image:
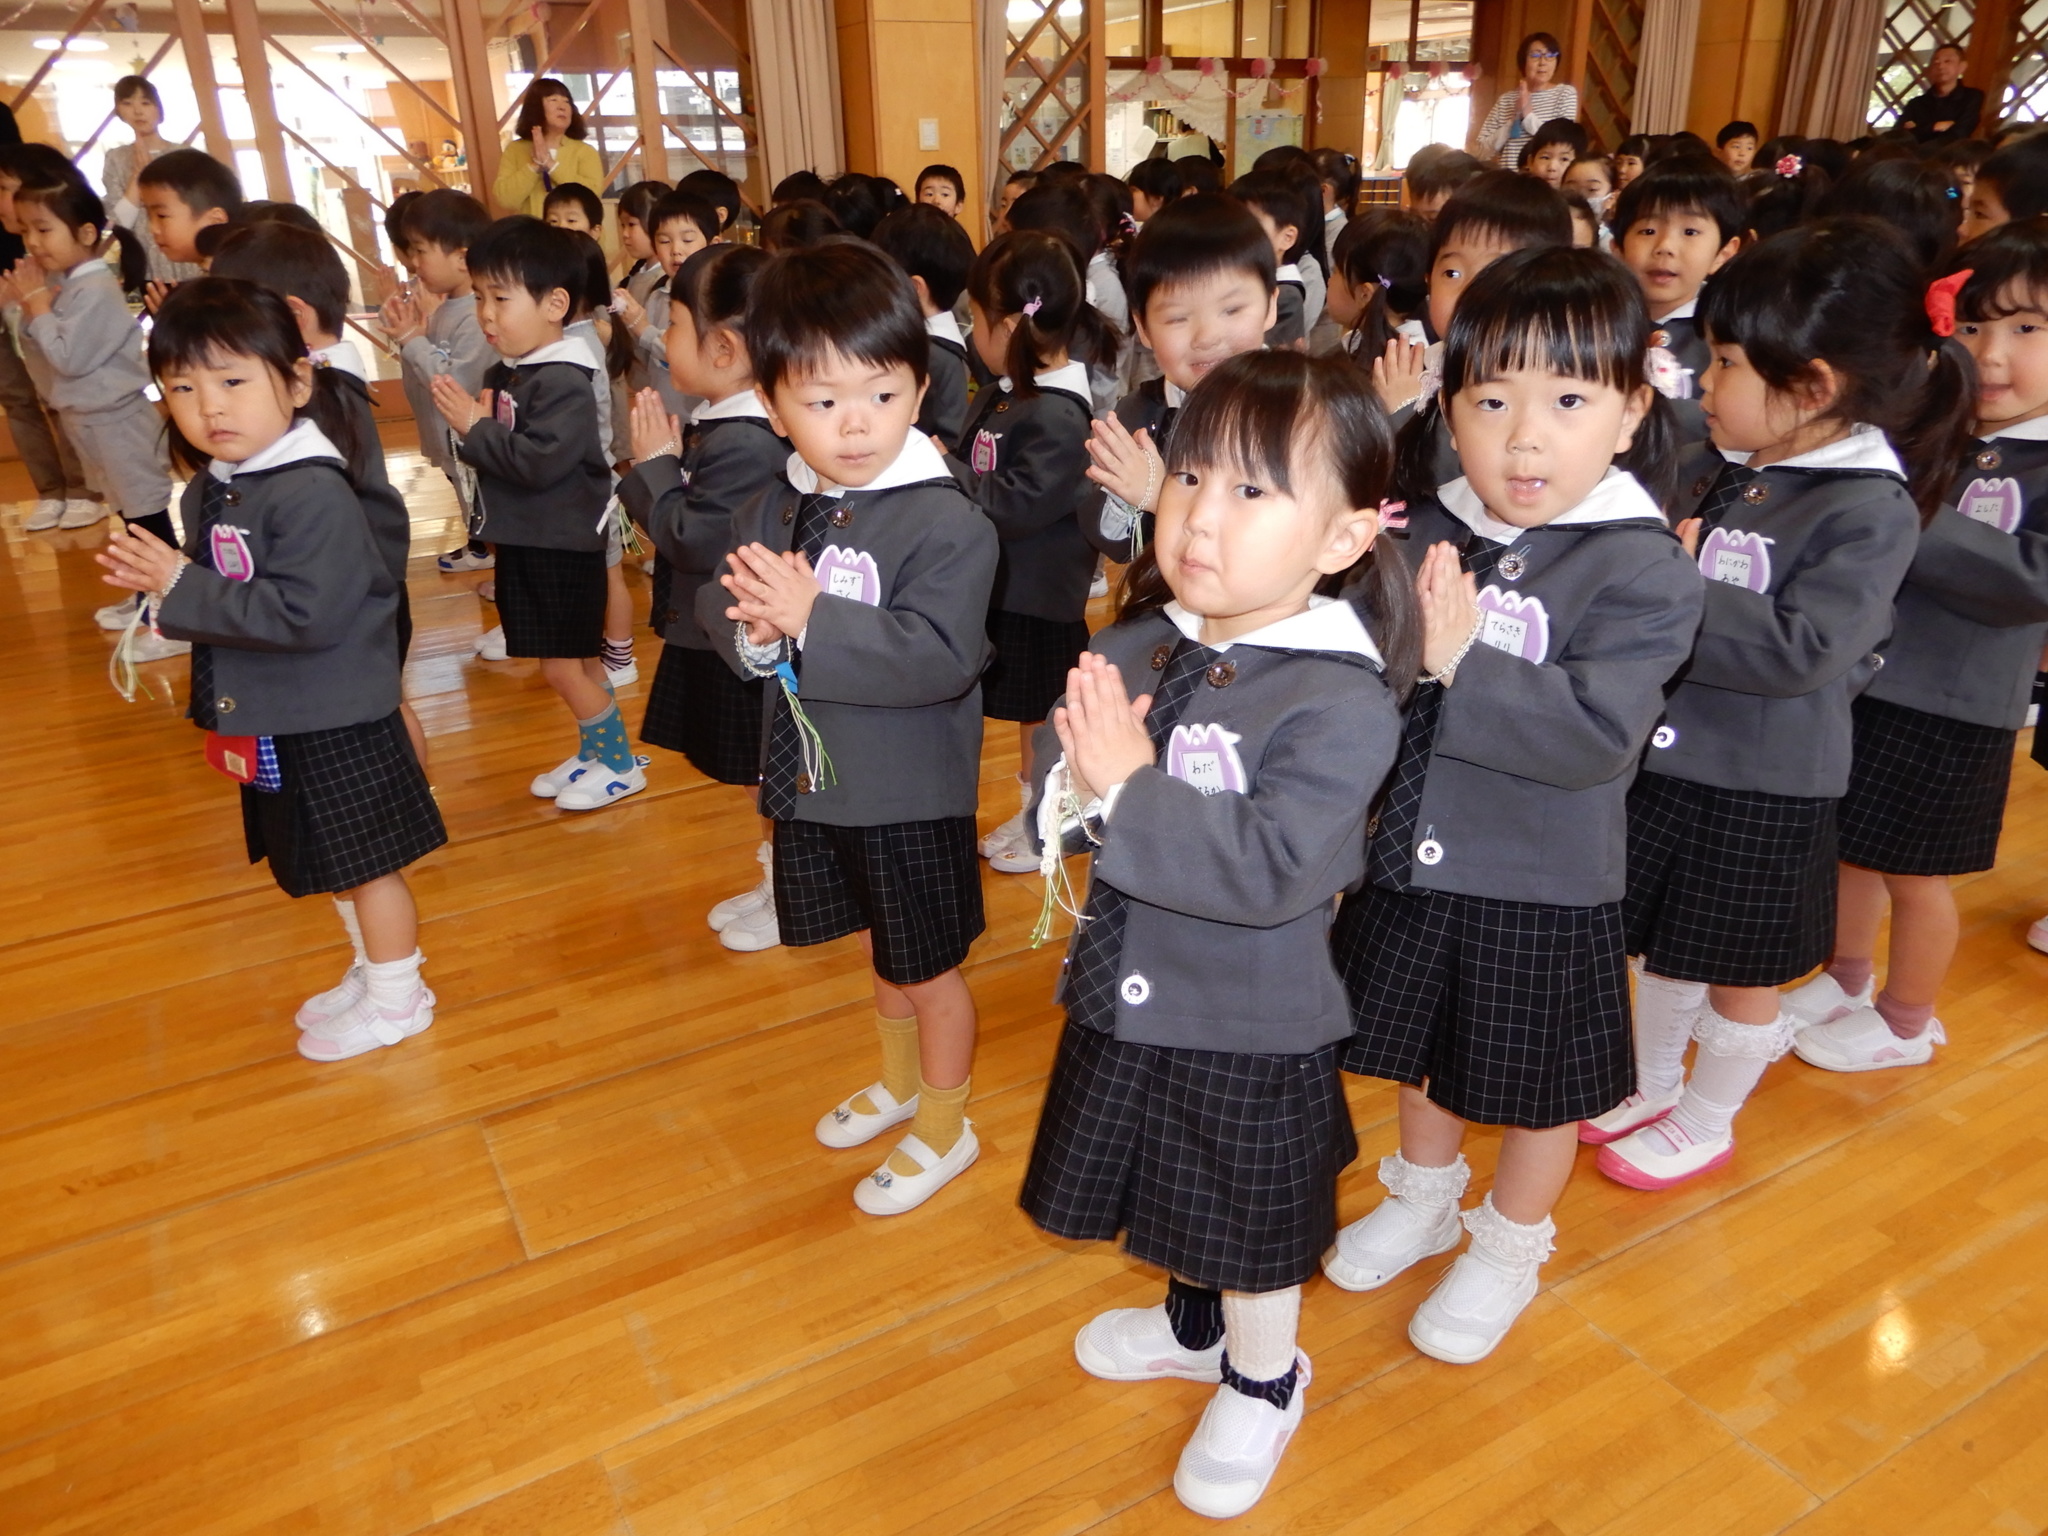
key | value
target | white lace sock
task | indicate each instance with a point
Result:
(394, 984)
(1259, 1330)
(1665, 1011)
(1731, 1063)
(347, 913)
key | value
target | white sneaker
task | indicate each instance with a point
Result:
(621, 677)
(763, 894)
(751, 932)
(1661, 1155)
(490, 645)
(1137, 1344)
(335, 1001)
(1235, 1450)
(1099, 587)
(1418, 1220)
(1863, 1042)
(82, 514)
(2037, 936)
(150, 646)
(546, 786)
(363, 1029)
(845, 1126)
(646, 567)
(1002, 836)
(602, 786)
(888, 1193)
(1472, 1308)
(459, 560)
(116, 616)
(1627, 1117)
(46, 514)
(1822, 1000)
(1016, 857)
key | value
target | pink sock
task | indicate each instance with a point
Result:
(1852, 976)
(1906, 1020)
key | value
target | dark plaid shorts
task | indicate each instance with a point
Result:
(914, 886)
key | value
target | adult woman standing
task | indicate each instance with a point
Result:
(138, 105)
(1534, 101)
(547, 150)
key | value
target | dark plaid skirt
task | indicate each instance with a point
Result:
(551, 601)
(1512, 1012)
(1733, 887)
(914, 886)
(1033, 657)
(354, 807)
(697, 706)
(1217, 1167)
(1926, 795)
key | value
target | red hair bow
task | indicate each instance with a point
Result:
(1941, 301)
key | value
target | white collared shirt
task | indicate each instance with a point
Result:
(918, 460)
(946, 327)
(1327, 624)
(344, 356)
(1618, 496)
(302, 440)
(744, 402)
(1071, 377)
(1864, 447)
(2033, 431)
(568, 350)
(1684, 311)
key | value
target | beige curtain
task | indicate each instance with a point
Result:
(1664, 79)
(992, 47)
(1830, 63)
(795, 53)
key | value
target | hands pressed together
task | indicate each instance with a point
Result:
(772, 593)
(137, 559)
(455, 405)
(1126, 464)
(1102, 728)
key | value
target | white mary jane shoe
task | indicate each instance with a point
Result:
(1230, 1459)
(888, 1193)
(844, 1126)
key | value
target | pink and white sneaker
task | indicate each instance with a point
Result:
(1822, 1001)
(335, 1001)
(364, 1028)
(1627, 1117)
(1661, 1155)
(1863, 1042)
(1137, 1344)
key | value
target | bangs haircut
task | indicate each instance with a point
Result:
(203, 322)
(1516, 210)
(843, 297)
(2018, 173)
(394, 219)
(532, 114)
(798, 186)
(637, 201)
(1201, 235)
(1690, 185)
(200, 181)
(720, 191)
(451, 220)
(1158, 178)
(532, 255)
(946, 173)
(1441, 174)
(2008, 269)
(928, 244)
(716, 285)
(681, 204)
(1279, 197)
(573, 194)
(291, 261)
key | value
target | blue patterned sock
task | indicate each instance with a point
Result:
(603, 737)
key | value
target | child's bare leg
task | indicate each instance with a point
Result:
(388, 918)
(1534, 1168)
(1925, 929)
(570, 677)
(414, 732)
(618, 606)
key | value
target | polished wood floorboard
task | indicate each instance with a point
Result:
(571, 1263)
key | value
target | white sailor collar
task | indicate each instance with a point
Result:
(1866, 447)
(918, 461)
(1071, 377)
(569, 349)
(744, 402)
(302, 441)
(946, 326)
(2034, 430)
(1685, 311)
(1289, 272)
(1618, 497)
(1327, 624)
(343, 356)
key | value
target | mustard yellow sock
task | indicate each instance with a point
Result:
(940, 1119)
(899, 1062)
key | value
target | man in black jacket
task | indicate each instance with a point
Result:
(1947, 109)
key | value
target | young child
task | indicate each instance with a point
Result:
(75, 323)
(1592, 177)
(944, 188)
(1431, 178)
(1824, 360)
(1154, 183)
(1195, 1107)
(722, 193)
(929, 244)
(1379, 281)
(1026, 450)
(685, 487)
(2011, 184)
(1675, 227)
(1276, 204)
(1735, 146)
(542, 477)
(63, 499)
(140, 107)
(1484, 954)
(293, 617)
(182, 193)
(862, 586)
(1631, 158)
(1934, 732)
(636, 240)
(574, 206)
(1552, 149)
(681, 224)
(591, 327)
(1202, 284)
(1585, 222)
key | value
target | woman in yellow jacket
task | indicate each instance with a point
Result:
(547, 149)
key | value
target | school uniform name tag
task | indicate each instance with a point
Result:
(982, 458)
(505, 409)
(1738, 557)
(1206, 757)
(1997, 502)
(1515, 622)
(231, 557)
(850, 573)
(1669, 377)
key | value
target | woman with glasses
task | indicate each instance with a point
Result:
(1535, 100)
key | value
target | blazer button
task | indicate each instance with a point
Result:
(1701, 486)
(231, 497)
(1663, 736)
(803, 783)
(789, 514)
(1429, 851)
(1988, 459)
(1223, 674)
(224, 706)
(1755, 492)
(840, 517)
(668, 617)
(1135, 990)
(1160, 656)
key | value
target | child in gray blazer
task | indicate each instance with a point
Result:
(1808, 514)
(858, 587)
(1195, 1107)
(292, 616)
(1933, 735)
(1484, 953)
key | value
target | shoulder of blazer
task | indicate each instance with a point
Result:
(358, 389)
(1085, 407)
(947, 344)
(713, 428)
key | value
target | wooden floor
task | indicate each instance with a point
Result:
(572, 1264)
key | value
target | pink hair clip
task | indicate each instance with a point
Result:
(1032, 306)
(1790, 165)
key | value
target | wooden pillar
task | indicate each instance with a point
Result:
(646, 94)
(191, 24)
(255, 62)
(470, 62)
(907, 100)
(1988, 65)
(1098, 85)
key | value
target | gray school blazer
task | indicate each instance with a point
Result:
(1801, 573)
(1230, 889)
(892, 663)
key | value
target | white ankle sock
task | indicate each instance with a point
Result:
(347, 912)
(1259, 1331)
(1730, 1064)
(1665, 1011)
(394, 984)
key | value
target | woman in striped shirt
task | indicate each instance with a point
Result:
(1534, 101)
